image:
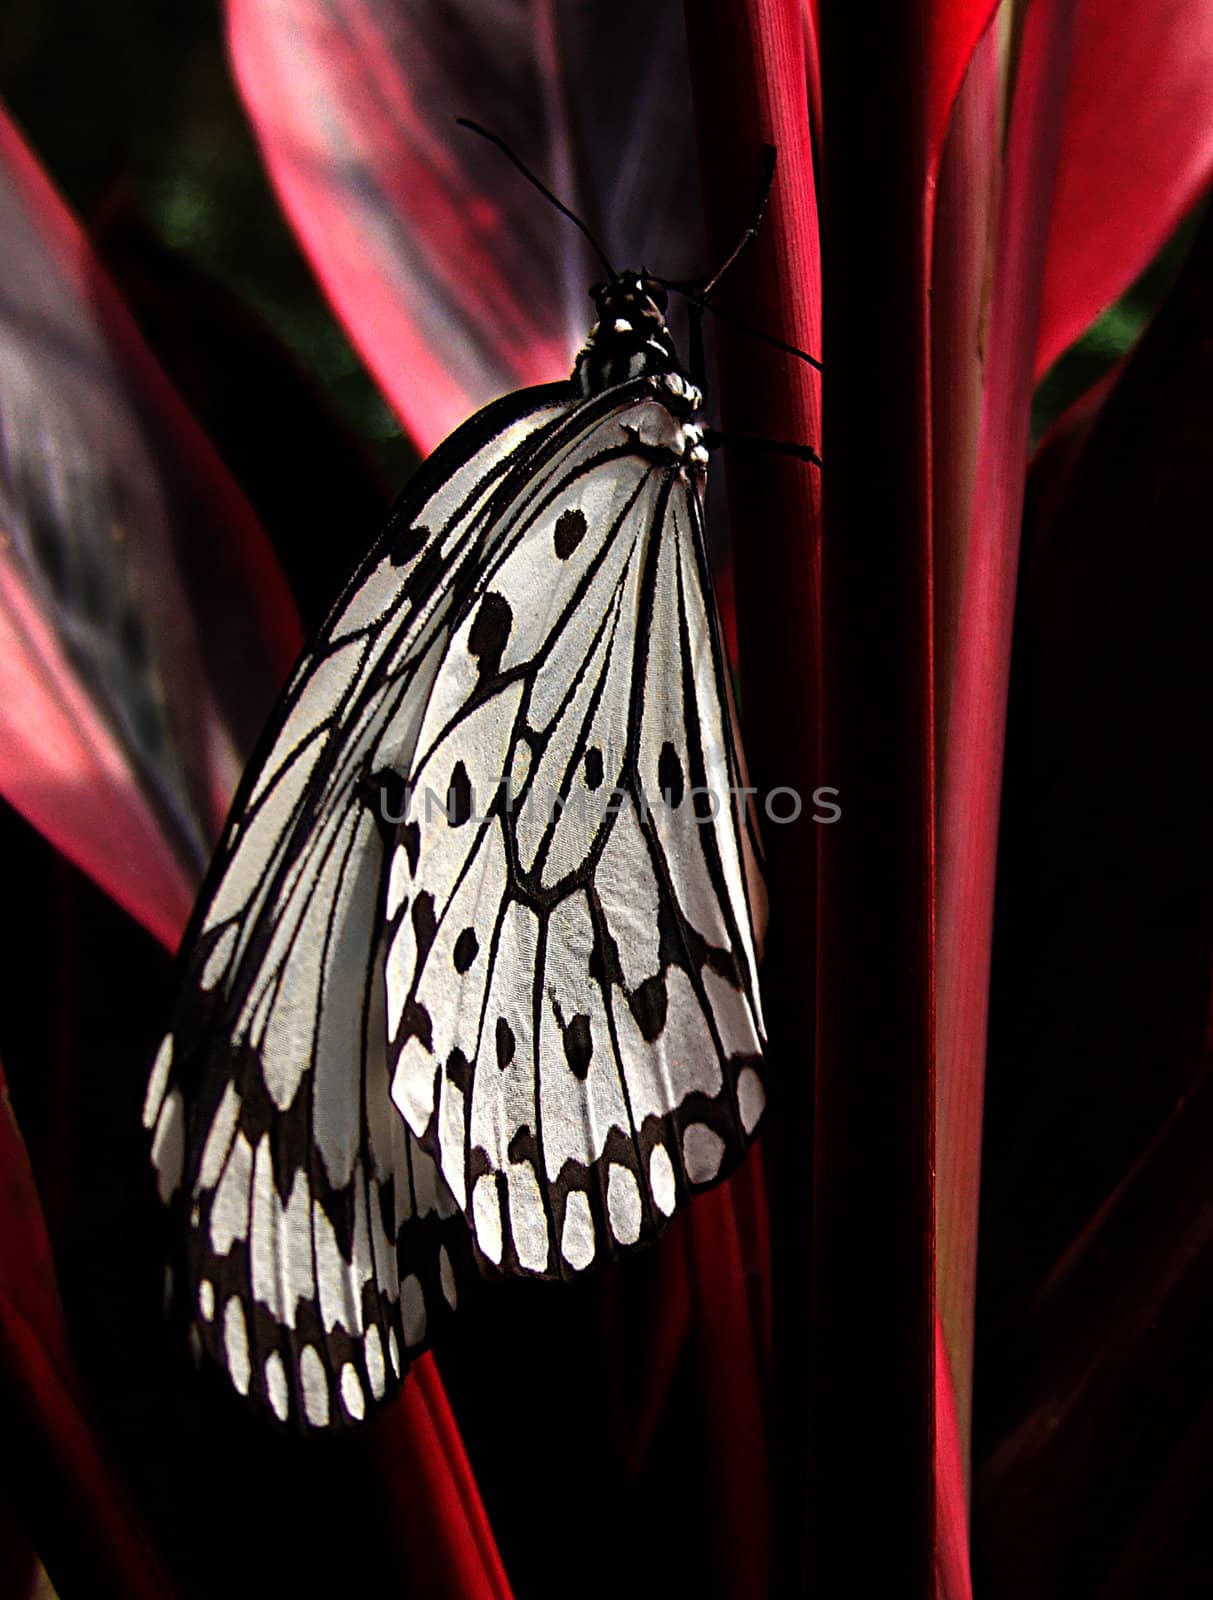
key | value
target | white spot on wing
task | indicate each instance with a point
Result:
(398, 881)
(393, 1350)
(218, 1140)
(206, 1300)
(340, 1297)
(486, 1217)
(661, 1180)
(528, 1221)
(229, 1214)
(373, 1350)
(281, 1243)
(235, 1344)
(577, 1235)
(519, 768)
(450, 1137)
(412, 1309)
(216, 962)
(315, 1387)
(735, 1022)
(352, 1397)
(446, 1276)
(158, 1081)
(168, 1145)
(276, 1386)
(751, 1098)
(702, 1152)
(623, 1204)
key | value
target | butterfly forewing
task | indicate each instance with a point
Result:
(572, 993)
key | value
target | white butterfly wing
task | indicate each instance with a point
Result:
(319, 1236)
(571, 965)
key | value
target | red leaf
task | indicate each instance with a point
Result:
(1093, 1474)
(978, 568)
(1136, 156)
(750, 81)
(131, 678)
(951, 29)
(455, 278)
(91, 1537)
(445, 1534)
(952, 1577)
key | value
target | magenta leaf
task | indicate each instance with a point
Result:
(69, 1497)
(1136, 156)
(977, 563)
(751, 77)
(143, 627)
(1093, 1445)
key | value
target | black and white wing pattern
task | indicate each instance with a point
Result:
(319, 1243)
(574, 903)
(474, 971)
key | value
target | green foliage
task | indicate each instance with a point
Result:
(1113, 335)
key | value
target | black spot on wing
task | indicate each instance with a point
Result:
(459, 1071)
(425, 925)
(570, 531)
(593, 767)
(605, 966)
(405, 543)
(522, 1145)
(722, 962)
(415, 1023)
(489, 633)
(410, 841)
(425, 576)
(579, 1045)
(467, 946)
(649, 1004)
(505, 1043)
(669, 775)
(383, 793)
(459, 796)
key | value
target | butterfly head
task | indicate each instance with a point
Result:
(630, 338)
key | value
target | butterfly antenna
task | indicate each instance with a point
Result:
(748, 327)
(765, 179)
(493, 138)
(698, 292)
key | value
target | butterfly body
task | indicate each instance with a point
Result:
(474, 972)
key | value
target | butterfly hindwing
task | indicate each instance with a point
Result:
(320, 1243)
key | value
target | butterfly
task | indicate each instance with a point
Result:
(472, 981)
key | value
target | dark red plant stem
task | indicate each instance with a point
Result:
(872, 1435)
(749, 80)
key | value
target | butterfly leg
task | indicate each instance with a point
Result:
(714, 437)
